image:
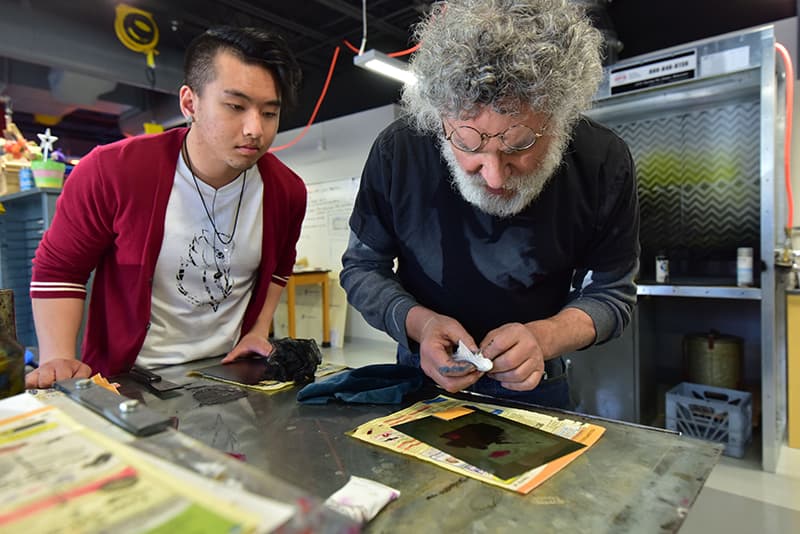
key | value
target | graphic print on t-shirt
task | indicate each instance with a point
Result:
(201, 288)
(209, 261)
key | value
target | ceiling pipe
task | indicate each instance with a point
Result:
(165, 111)
(78, 89)
(355, 13)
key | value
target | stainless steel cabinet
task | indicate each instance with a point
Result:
(705, 127)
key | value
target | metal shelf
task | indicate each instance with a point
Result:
(29, 193)
(697, 291)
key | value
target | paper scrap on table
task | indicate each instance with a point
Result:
(361, 498)
(453, 413)
(103, 382)
(463, 354)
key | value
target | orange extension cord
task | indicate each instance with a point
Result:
(324, 92)
(316, 108)
(405, 52)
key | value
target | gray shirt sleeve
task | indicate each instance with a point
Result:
(607, 297)
(373, 289)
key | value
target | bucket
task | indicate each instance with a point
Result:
(714, 359)
(48, 173)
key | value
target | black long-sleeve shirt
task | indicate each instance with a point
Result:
(576, 245)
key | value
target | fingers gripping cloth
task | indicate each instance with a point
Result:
(463, 354)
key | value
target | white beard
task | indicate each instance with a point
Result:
(525, 188)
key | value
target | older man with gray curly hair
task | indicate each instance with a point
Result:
(513, 218)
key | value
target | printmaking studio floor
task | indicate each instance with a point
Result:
(738, 497)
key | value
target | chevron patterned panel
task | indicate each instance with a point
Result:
(698, 175)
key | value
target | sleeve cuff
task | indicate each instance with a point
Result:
(57, 290)
(280, 280)
(606, 323)
(395, 319)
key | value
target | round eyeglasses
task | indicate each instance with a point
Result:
(515, 138)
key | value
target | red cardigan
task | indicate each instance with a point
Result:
(110, 218)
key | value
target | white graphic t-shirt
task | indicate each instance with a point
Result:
(204, 275)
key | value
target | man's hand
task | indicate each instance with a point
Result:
(250, 344)
(54, 370)
(438, 336)
(517, 356)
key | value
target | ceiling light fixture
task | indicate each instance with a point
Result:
(383, 64)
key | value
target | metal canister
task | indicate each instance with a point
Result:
(714, 359)
(12, 354)
(12, 367)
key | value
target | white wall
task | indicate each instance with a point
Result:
(334, 150)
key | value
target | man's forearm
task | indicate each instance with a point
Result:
(57, 323)
(569, 330)
(374, 290)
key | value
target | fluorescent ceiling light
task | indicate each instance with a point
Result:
(383, 64)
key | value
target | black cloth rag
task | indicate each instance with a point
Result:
(292, 360)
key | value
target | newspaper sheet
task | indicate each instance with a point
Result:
(58, 476)
(381, 432)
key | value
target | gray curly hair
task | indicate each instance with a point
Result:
(506, 55)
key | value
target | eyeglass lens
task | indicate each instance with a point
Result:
(516, 137)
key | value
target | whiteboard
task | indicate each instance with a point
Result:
(323, 240)
(326, 229)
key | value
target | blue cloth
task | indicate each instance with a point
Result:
(371, 384)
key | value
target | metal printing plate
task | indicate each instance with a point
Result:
(129, 414)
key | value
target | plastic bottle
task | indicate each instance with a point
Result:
(744, 266)
(26, 179)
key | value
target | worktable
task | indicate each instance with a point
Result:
(635, 479)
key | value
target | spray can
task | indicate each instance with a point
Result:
(662, 268)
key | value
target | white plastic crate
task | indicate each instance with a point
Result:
(711, 413)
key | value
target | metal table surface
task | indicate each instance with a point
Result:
(635, 479)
